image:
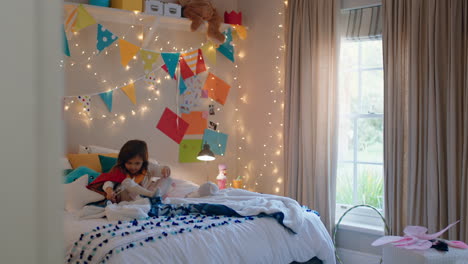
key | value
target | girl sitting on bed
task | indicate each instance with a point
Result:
(129, 178)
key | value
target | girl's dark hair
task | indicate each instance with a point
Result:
(131, 149)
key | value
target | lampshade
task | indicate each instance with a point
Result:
(206, 154)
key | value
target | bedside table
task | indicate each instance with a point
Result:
(394, 255)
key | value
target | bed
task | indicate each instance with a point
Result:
(297, 237)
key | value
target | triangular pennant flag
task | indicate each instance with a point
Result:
(185, 70)
(241, 31)
(164, 67)
(226, 48)
(127, 51)
(191, 59)
(171, 60)
(182, 86)
(150, 78)
(107, 99)
(209, 51)
(149, 58)
(104, 38)
(71, 20)
(66, 49)
(129, 90)
(200, 63)
(217, 89)
(83, 19)
(85, 100)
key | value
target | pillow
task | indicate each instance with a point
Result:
(98, 149)
(88, 160)
(181, 188)
(107, 163)
(82, 149)
(65, 172)
(81, 171)
(65, 163)
(77, 195)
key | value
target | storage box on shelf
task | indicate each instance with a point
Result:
(154, 7)
(172, 10)
(130, 5)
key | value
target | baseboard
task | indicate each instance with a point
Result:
(356, 257)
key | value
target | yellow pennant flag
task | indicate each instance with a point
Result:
(241, 31)
(127, 51)
(83, 19)
(129, 90)
(209, 51)
(149, 58)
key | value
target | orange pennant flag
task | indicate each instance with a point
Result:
(129, 90)
(127, 51)
(218, 90)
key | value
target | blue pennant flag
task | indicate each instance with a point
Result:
(104, 38)
(182, 86)
(107, 99)
(226, 48)
(66, 49)
(171, 60)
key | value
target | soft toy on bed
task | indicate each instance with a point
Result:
(202, 10)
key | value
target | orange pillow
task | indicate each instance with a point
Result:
(88, 160)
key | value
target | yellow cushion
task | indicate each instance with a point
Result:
(88, 160)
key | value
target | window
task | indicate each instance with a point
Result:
(360, 147)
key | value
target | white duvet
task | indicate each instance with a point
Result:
(261, 240)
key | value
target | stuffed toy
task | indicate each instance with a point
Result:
(202, 10)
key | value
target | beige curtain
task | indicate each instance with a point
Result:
(310, 105)
(426, 114)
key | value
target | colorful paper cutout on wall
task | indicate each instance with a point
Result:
(192, 94)
(107, 99)
(191, 59)
(104, 38)
(129, 90)
(217, 89)
(241, 31)
(164, 67)
(172, 125)
(85, 100)
(148, 58)
(197, 123)
(209, 51)
(182, 86)
(185, 70)
(189, 149)
(66, 49)
(171, 60)
(200, 63)
(127, 51)
(150, 78)
(216, 140)
(83, 19)
(70, 21)
(227, 49)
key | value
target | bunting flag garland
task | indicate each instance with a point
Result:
(104, 38)
(182, 86)
(200, 63)
(83, 19)
(127, 51)
(191, 59)
(150, 78)
(226, 48)
(107, 99)
(66, 49)
(85, 100)
(164, 67)
(218, 90)
(241, 31)
(185, 71)
(171, 60)
(209, 51)
(129, 90)
(71, 20)
(149, 58)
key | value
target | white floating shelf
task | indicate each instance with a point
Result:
(114, 15)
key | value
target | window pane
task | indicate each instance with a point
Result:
(370, 140)
(346, 140)
(349, 55)
(371, 54)
(344, 183)
(370, 185)
(349, 92)
(372, 91)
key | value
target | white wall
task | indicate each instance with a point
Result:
(31, 132)
(142, 125)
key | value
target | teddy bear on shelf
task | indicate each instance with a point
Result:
(202, 10)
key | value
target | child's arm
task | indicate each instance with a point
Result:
(159, 171)
(133, 187)
(108, 187)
